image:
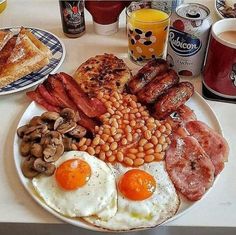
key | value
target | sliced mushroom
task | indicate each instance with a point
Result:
(53, 152)
(44, 167)
(25, 148)
(50, 116)
(51, 135)
(36, 150)
(58, 122)
(21, 130)
(66, 127)
(37, 120)
(67, 142)
(28, 169)
(42, 128)
(78, 132)
(68, 114)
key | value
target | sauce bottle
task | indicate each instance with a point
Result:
(3, 4)
(72, 17)
(105, 15)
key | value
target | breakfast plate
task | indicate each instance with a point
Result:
(220, 6)
(57, 48)
(197, 103)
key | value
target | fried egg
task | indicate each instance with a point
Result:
(82, 185)
(146, 197)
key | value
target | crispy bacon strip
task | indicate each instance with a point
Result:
(91, 107)
(56, 88)
(35, 95)
(47, 96)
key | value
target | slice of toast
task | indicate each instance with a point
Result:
(28, 55)
(7, 50)
(42, 47)
(5, 36)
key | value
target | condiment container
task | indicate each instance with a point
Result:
(72, 17)
(105, 15)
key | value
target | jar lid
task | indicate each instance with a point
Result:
(106, 29)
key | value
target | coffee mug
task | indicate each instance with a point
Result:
(219, 74)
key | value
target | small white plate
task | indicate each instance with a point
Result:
(58, 55)
(220, 5)
(197, 103)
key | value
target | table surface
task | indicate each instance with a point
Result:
(16, 205)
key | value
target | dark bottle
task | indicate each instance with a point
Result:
(72, 17)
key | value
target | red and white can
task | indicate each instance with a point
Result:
(188, 38)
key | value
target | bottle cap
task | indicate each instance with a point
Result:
(106, 29)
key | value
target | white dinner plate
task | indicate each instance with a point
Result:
(197, 103)
(58, 55)
(221, 4)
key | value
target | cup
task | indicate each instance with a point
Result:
(147, 29)
(219, 74)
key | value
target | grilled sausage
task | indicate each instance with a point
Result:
(158, 86)
(173, 99)
(152, 69)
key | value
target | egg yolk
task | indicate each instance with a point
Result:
(137, 185)
(72, 174)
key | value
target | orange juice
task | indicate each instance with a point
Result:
(147, 33)
(3, 4)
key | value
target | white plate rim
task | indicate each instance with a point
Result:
(42, 79)
(81, 223)
(217, 10)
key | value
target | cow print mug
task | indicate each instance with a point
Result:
(219, 75)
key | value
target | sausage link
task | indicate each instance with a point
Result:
(173, 99)
(158, 86)
(146, 74)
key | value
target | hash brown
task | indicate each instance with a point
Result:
(102, 72)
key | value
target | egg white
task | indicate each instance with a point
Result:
(97, 197)
(163, 204)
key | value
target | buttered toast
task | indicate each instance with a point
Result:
(5, 36)
(27, 55)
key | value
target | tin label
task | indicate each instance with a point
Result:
(184, 44)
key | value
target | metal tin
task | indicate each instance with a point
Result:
(72, 17)
(188, 38)
(168, 5)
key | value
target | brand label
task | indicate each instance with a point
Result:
(184, 44)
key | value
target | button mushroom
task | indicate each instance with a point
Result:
(53, 152)
(50, 116)
(28, 169)
(51, 137)
(21, 130)
(66, 127)
(68, 114)
(67, 142)
(58, 122)
(25, 148)
(36, 150)
(36, 120)
(78, 132)
(44, 167)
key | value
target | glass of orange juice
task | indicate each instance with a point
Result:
(147, 29)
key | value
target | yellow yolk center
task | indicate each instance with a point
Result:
(73, 174)
(137, 185)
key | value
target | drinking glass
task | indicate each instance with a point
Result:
(147, 29)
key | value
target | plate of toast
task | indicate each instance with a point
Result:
(27, 56)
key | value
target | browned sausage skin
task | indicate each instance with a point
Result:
(173, 99)
(152, 69)
(158, 86)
